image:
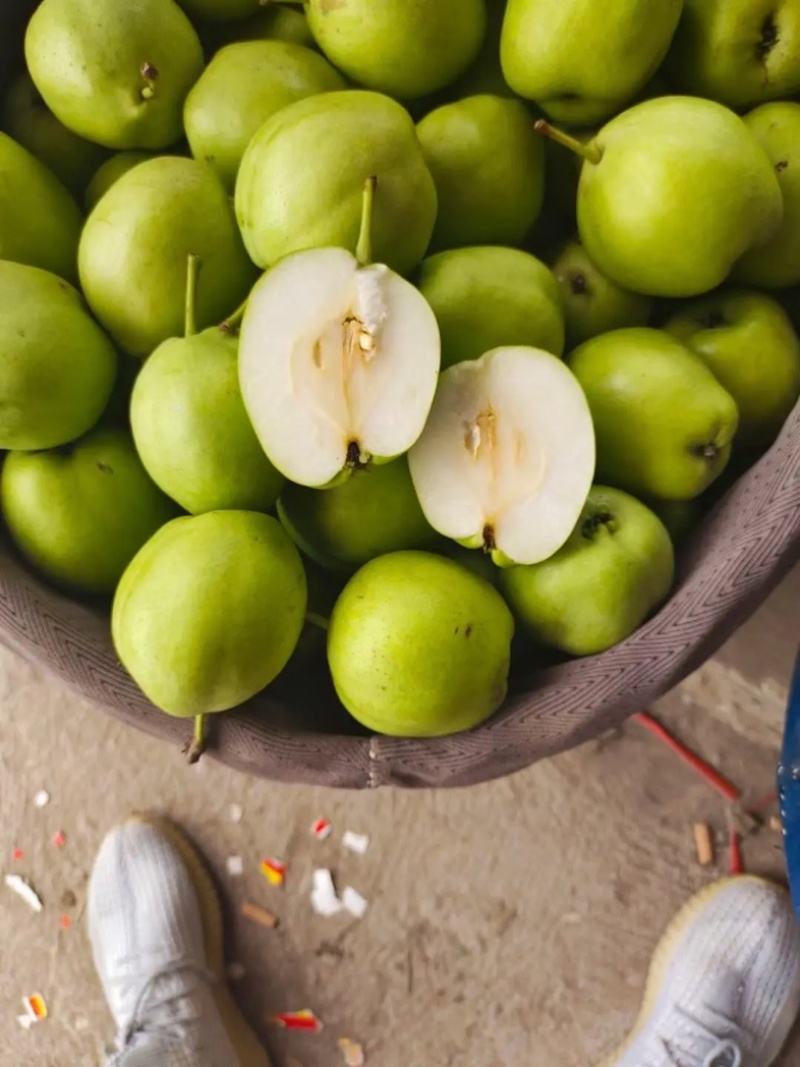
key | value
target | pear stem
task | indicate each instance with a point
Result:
(190, 313)
(233, 322)
(198, 744)
(590, 152)
(364, 246)
(317, 620)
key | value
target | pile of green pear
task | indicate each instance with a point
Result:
(465, 312)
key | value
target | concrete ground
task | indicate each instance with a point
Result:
(509, 925)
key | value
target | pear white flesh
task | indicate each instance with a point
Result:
(507, 457)
(338, 363)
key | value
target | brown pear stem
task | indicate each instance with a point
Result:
(198, 744)
(364, 246)
(190, 315)
(590, 152)
(234, 321)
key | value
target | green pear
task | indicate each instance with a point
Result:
(284, 205)
(663, 423)
(134, 247)
(776, 265)
(57, 367)
(488, 166)
(220, 10)
(580, 62)
(614, 571)
(39, 221)
(419, 646)
(190, 424)
(30, 122)
(748, 343)
(81, 512)
(485, 298)
(592, 303)
(406, 50)
(210, 610)
(275, 22)
(244, 85)
(116, 74)
(371, 513)
(110, 172)
(672, 193)
(740, 52)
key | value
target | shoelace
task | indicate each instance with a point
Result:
(726, 1052)
(139, 1025)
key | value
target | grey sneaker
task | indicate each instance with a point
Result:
(156, 931)
(724, 985)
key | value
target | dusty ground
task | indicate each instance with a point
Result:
(510, 925)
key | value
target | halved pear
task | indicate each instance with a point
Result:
(507, 456)
(338, 362)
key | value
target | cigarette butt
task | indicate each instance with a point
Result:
(704, 844)
(775, 823)
(260, 915)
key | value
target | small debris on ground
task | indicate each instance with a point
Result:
(35, 1011)
(353, 902)
(297, 1020)
(66, 922)
(42, 799)
(274, 871)
(352, 1052)
(235, 813)
(68, 899)
(704, 844)
(59, 839)
(260, 915)
(322, 829)
(17, 855)
(324, 898)
(23, 888)
(355, 842)
(81, 1024)
(235, 866)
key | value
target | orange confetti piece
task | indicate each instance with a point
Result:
(297, 1020)
(66, 922)
(59, 839)
(260, 915)
(17, 855)
(274, 871)
(35, 1006)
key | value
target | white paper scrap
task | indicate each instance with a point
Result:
(24, 890)
(235, 866)
(353, 902)
(355, 842)
(324, 898)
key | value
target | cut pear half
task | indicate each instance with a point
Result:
(338, 361)
(507, 457)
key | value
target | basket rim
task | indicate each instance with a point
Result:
(738, 555)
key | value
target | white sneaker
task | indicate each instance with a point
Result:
(156, 931)
(724, 985)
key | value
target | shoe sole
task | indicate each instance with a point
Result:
(248, 1048)
(665, 951)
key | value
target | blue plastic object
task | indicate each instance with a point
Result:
(789, 787)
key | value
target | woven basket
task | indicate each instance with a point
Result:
(297, 733)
